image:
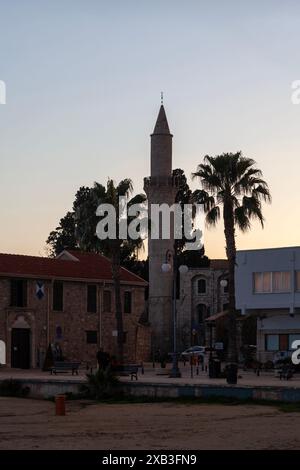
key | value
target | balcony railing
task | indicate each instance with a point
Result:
(161, 181)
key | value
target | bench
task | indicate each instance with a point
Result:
(129, 369)
(64, 367)
(286, 373)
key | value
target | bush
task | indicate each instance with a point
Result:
(13, 388)
(102, 384)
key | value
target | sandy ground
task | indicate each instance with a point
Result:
(31, 424)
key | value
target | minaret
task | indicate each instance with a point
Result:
(160, 189)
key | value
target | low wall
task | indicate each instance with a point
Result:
(285, 394)
(43, 388)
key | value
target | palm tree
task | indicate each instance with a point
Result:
(112, 248)
(231, 181)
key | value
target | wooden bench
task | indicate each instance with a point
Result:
(129, 369)
(65, 367)
(286, 373)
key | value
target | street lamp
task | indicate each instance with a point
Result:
(183, 269)
(223, 283)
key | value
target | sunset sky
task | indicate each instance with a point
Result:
(83, 85)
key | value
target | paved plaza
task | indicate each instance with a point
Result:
(161, 376)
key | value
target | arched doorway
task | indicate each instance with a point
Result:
(202, 312)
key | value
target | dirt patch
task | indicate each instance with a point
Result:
(31, 424)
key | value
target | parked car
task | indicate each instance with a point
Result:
(194, 351)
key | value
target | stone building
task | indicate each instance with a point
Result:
(160, 188)
(67, 301)
(201, 296)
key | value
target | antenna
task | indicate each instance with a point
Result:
(161, 97)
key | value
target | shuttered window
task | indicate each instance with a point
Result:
(58, 296)
(92, 298)
(18, 293)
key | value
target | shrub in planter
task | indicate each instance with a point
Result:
(102, 384)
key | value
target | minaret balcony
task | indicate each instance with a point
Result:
(161, 181)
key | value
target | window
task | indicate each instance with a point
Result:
(257, 282)
(280, 342)
(283, 342)
(124, 337)
(267, 282)
(18, 293)
(298, 280)
(202, 313)
(201, 286)
(58, 294)
(127, 302)
(91, 337)
(225, 307)
(293, 338)
(281, 281)
(272, 342)
(92, 299)
(107, 301)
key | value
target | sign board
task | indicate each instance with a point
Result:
(219, 346)
(40, 290)
(115, 332)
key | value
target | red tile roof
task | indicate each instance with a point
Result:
(90, 266)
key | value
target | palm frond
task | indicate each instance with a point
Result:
(125, 187)
(213, 216)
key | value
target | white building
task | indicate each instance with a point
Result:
(268, 286)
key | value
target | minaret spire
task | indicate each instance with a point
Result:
(161, 126)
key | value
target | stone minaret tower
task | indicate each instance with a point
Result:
(160, 188)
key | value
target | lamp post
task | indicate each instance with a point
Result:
(183, 269)
(211, 365)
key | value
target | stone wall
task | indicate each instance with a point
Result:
(73, 323)
(214, 300)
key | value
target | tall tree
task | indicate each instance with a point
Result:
(86, 222)
(232, 182)
(71, 232)
(63, 236)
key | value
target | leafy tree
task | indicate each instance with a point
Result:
(71, 232)
(63, 236)
(232, 182)
(86, 222)
(77, 230)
